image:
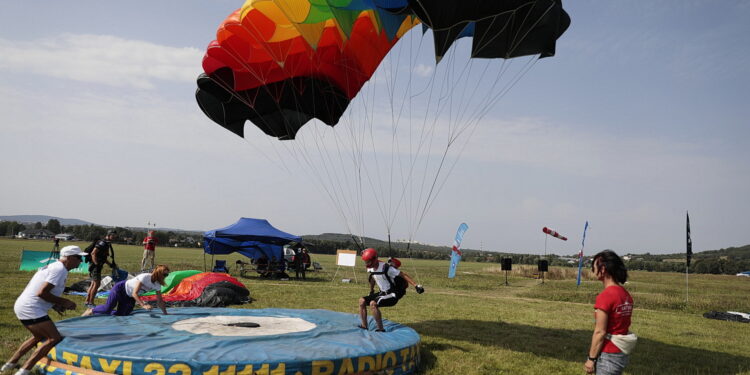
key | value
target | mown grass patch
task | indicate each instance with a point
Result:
(474, 324)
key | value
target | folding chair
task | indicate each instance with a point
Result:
(221, 266)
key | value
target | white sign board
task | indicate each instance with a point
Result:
(346, 258)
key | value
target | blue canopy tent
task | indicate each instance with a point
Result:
(252, 238)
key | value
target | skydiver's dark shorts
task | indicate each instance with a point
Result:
(95, 271)
(31, 322)
(383, 299)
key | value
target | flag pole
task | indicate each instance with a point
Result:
(688, 255)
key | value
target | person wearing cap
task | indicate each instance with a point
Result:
(99, 257)
(32, 306)
(149, 251)
(126, 294)
(386, 276)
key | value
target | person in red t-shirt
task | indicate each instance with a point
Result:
(149, 248)
(612, 311)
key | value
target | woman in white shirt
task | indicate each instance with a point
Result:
(42, 293)
(126, 294)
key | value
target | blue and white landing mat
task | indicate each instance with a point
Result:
(222, 341)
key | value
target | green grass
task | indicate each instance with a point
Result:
(475, 324)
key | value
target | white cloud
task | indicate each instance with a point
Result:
(102, 59)
(423, 70)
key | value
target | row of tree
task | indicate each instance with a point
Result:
(719, 263)
(91, 232)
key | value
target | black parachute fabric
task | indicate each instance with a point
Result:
(728, 316)
(279, 109)
(500, 29)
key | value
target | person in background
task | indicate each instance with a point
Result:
(126, 294)
(301, 262)
(42, 293)
(99, 257)
(56, 246)
(391, 288)
(611, 341)
(149, 251)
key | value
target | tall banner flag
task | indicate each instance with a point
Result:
(688, 255)
(456, 250)
(580, 253)
(689, 246)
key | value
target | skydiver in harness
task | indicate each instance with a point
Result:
(392, 284)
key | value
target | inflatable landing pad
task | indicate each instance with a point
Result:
(221, 341)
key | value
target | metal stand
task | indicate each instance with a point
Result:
(354, 272)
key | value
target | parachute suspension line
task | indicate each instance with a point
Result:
(419, 214)
(292, 151)
(475, 122)
(416, 152)
(234, 94)
(348, 205)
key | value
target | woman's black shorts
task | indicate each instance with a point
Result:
(31, 322)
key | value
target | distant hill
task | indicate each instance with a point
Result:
(32, 219)
(374, 242)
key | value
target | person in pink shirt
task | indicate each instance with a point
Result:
(611, 341)
(149, 250)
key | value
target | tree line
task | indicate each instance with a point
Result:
(709, 262)
(92, 232)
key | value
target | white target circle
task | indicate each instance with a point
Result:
(225, 325)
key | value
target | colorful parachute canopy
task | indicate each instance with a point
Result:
(280, 63)
(173, 279)
(206, 289)
(279, 68)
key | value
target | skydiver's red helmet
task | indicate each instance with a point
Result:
(369, 254)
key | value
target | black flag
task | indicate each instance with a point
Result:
(689, 242)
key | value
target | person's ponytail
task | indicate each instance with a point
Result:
(613, 265)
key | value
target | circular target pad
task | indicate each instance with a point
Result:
(221, 341)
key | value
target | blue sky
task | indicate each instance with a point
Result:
(641, 116)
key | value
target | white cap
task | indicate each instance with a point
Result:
(71, 250)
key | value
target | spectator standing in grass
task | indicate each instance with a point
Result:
(42, 293)
(99, 257)
(126, 294)
(56, 246)
(612, 341)
(149, 252)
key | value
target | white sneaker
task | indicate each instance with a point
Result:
(23, 371)
(8, 366)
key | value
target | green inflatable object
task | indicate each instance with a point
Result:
(174, 278)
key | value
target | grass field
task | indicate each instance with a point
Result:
(475, 324)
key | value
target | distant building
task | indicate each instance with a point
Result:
(37, 234)
(65, 236)
(569, 260)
